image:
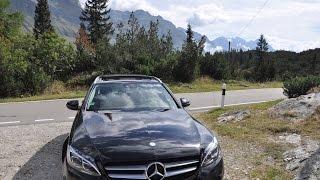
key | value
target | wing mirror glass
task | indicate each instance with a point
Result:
(185, 102)
(73, 105)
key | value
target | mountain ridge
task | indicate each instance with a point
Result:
(65, 17)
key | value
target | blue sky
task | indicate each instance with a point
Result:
(288, 24)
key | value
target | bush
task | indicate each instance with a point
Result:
(57, 87)
(82, 80)
(300, 86)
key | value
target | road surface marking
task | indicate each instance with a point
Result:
(43, 120)
(11, 122)
(211, 107)
(71, 117)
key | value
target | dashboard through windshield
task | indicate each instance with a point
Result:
(130, 96)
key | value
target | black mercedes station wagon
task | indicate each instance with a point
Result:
(132, 127)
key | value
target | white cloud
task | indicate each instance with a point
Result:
(290, 24)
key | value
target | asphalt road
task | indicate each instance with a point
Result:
(56, 111)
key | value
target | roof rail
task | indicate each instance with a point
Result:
(105, 78)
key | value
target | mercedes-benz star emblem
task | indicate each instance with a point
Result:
(152, 144)
(156, 171)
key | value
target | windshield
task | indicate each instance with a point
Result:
(130, 96)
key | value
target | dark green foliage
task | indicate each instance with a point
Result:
(29, 64)
(215, 66)
(42, 19)
(138, 50)
(300, 85)
(10, 23)
(55, 56)
(82, 80)
(188, 62)
(96, 15)
(264, 68)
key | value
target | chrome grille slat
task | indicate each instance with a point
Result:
(128, 176)
(126, 168)
(138, 171)
(182, 163)
(178, 172)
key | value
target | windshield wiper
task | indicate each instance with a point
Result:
(162, 109)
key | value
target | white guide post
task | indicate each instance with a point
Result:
(223, 98)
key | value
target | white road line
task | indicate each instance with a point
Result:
(71, 117)
(239, 104)
(11, 122)
(201, 108)
(43, 120)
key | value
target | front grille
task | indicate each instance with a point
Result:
(174, 169)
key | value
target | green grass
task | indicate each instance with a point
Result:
(200, 85)
(206, 84)
(257, 130)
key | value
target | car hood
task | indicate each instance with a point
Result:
(125, 137)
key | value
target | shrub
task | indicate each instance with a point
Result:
(57, 87)
(83, 80)
(300, 86)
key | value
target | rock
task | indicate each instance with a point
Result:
(311, 168)
(297, 109)
(294, 139)
(234, 116)
(304, 159)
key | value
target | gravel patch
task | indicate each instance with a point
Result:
(32, 151)
(238, 157)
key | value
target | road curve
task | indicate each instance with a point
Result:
(55, 110)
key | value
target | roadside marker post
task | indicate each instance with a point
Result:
(223, 98)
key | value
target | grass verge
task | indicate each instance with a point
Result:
(261, 131)
(200, 85)
(206, 84)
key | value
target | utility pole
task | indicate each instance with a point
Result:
(229, 46)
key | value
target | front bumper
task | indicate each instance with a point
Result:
(211, 172)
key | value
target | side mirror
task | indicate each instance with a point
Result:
(185, 102)
(73, 105)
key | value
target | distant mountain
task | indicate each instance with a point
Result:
(144, 19)
(237, 43)
(65, 18)
(64, 14)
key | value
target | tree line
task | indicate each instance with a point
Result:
(31, 62)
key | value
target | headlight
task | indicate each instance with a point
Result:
(82, 162)
(211, 153)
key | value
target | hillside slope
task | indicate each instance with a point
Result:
(65, 17)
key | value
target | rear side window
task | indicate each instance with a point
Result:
(130, 96)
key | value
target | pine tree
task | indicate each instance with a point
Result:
(262, 47)
(166, 44)
(264, 69)
(187, 66)
(42, 21)
(96, 15)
